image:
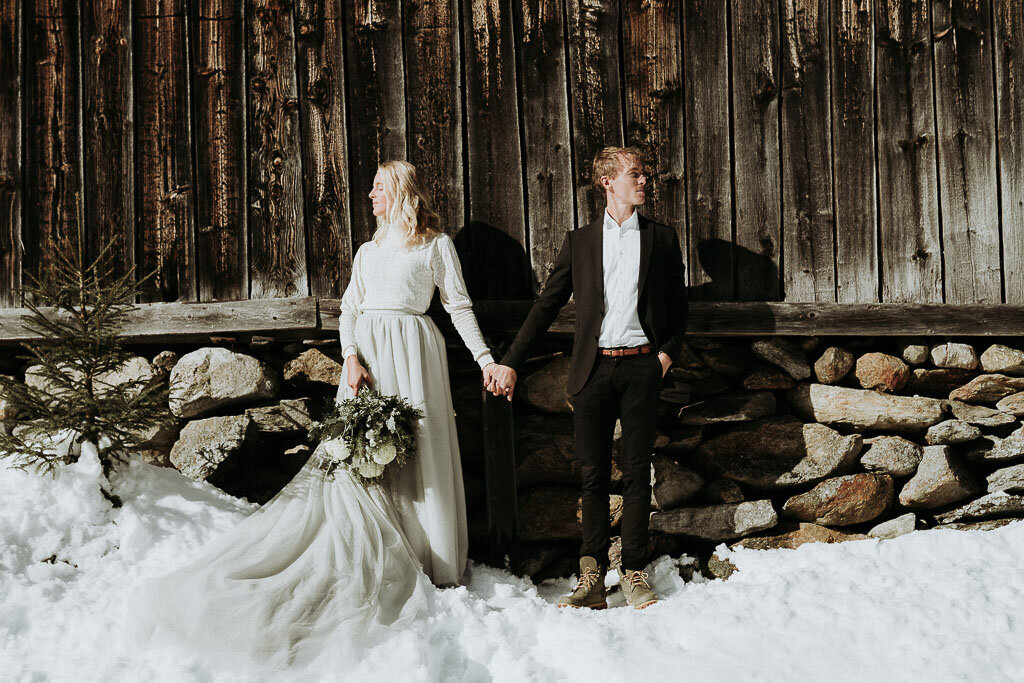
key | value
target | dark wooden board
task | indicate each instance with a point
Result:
(11, 119)
(655, 111)
(966, 125)
(853, 139)
(165, 212)
(376, 83)
(1009, 57)
(321, 66)
(277, 218)
(595, 89)
(907, 194)
(708, 150)
(219, 86)
(500, 479)
(755, 110)
(109, 128)
(434, 99)
(808, 224)
(53, 132)
(549, 174)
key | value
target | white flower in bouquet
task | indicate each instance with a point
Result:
(370, 469)
(337, 449)
(385, 453)
(371, 437)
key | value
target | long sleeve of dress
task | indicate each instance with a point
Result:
(351, 305)
(455, 298)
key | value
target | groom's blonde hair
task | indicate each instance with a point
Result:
(408, 204)
(609, 162)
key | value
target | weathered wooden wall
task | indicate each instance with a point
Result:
(849, 151)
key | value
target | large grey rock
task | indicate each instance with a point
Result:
(892, 455)
(982, 416)
(954, 355)
(1000, 504)
(892, 528)
(206, 447)
(213, 377)
(984, 525)
(683, 439)
(544, 388)
(292, 415)
(555, 514)
(987, 389)
(940, 480)
(951, 432)
(724, 491)
(1003, 359)
(860, 409)
(913, 353)
(1006, 479)
(768, 378)
(937, 382)
(784, 354)
(995, 450)
(805, 532)
(1012, 404)
(776, 453)
(673, 484)
(154, 443)
(881, 372)
(315, 367)
(843, 501)
(136, 369)
(717, 522)
(728, 409)
(164, 362)
(7, 411)
(834, 364)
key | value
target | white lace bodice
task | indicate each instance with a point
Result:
(392, 277)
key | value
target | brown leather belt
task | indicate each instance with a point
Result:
(627, 351)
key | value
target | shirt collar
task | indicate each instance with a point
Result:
(631, 223)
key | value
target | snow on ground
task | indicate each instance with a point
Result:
(930, 606)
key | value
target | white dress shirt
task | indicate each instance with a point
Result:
(621, 264)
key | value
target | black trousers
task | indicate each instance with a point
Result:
(624, 388)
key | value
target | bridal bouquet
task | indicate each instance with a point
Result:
(370, 435)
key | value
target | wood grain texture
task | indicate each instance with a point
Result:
(1009, 58)
(655, 111)
(755, 110)
(165, 215)
(434, 97)
(708, 149)
(853, 140)
(109, 128)
(277, 235)
(53, 132)
(966, 121)
(808, 224)
(219, 84)
(549, 176)
(11, 119)
(907, 193)
(324, 145)
(373, 43)
(595, 93)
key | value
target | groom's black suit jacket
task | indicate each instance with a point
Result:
(579, 270)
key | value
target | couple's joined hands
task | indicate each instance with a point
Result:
(499, 379)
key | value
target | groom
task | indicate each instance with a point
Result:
(626, 273)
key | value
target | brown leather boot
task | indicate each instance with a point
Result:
(589, 590)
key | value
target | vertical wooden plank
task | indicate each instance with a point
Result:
(165, 214)
(496, 240)
(755, 111)
(53, 130)
(500, 480)
(596, 92)
(853, 139)
(109, 128)
(434, 99)
(11, 119)
(325, 147)
(277, 225)
(966, 144)
(221, 259)
(653, 71)
(549, 182)
(1009, 58)
(708, 149)
(373, 40)
(808, 237)
(907, 199)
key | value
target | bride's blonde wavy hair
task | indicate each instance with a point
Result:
(408, 204)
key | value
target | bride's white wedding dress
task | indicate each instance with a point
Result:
(327, 566)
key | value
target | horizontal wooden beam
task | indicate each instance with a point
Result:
(298, 318)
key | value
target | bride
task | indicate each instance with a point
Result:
(327, 566)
